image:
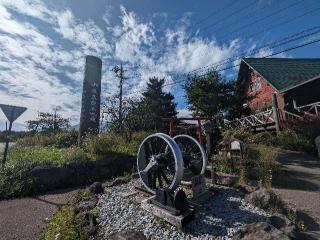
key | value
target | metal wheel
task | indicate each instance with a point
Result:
(194, 157)
(160, 163)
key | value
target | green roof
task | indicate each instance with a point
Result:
(285, 73)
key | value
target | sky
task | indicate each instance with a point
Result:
(43, 44)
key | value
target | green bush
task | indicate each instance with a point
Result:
(114, 143)
(15, 182)
(286, 139)
(295, 142)
(264, 159)
(66, 139)
(224, 164)
(60, 140)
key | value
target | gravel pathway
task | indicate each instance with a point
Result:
(219, 218)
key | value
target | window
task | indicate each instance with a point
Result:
(255, 85)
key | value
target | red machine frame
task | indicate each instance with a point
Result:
(175, 120)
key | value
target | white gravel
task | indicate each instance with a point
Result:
(219, 218)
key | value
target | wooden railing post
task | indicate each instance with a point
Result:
(275, 111)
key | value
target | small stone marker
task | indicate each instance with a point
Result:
(235, 145)
(317, 142)
(199, 187)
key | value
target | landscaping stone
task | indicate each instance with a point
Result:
(80, 173)
(282, 223)
(96, 188)
(50, 177)
(261, 231)
(86, 205)
(128, 235)
(226, 179)
(261, 198)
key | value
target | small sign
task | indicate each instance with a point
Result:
(199, 186)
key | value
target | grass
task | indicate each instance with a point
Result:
(63, 226)
(48, 150)
(286, 139)
(50, 155)
(264, 158)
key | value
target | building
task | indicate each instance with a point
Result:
(296, 82)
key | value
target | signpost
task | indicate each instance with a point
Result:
(90, 105)
(12, 113)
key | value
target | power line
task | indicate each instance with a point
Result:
(266, 29)
(297, 36)
(265, 17)
(232, 2)
(236, 65)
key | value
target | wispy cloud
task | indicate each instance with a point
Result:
(39, 71)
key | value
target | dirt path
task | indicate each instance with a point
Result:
(299, 185)
(25, 218)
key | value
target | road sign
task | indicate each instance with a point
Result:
(12, 112)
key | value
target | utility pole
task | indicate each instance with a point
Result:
(119, 74)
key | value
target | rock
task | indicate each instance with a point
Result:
(96, 188)
(85, 206)
(282, 223)
(226, 179)
(128, 235)
(118, 181)
(261, 231)
(50, 177)
(261, 198)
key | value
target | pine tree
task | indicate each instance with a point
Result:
(154, 105)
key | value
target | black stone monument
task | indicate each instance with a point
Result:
(90, 104)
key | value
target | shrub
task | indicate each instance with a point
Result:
(34, 140)
(60, 140)
(114, 143)
(243, 134)
(308, 126)
(293, 141)
(286, 139)
(66, 139)
(264, 159)
(224, 164)
(15, 182)
(101, 144)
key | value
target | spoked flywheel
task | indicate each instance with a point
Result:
(194, 157)
(160, 163)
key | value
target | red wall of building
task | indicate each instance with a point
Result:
(262, 95)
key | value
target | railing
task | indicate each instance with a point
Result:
(313, 108)
(255, 120)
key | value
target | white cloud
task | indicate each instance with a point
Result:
(38, 72)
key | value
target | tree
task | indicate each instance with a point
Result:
(209, 95)
(156, 104)
(142, 114)
(48, 123)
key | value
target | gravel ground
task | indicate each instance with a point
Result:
(219, 218)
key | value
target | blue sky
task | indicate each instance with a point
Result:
(43, 43)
